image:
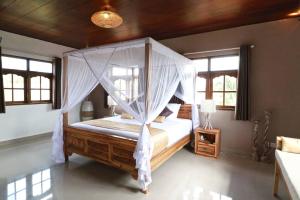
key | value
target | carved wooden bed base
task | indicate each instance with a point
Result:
(116, 151)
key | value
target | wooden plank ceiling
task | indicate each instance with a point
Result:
(67, 22)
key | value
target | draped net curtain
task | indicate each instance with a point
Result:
(160, 73)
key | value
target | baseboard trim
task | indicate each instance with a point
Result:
(31, 138)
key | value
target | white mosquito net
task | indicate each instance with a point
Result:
(169, 73)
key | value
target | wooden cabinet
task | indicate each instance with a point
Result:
(207, 142)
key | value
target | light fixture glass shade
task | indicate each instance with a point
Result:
(293, 14)
(208, 106)
(106, 19)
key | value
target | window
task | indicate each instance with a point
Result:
(40, 88)
(126, 82)
(122, 87)
(217, 79)
(224, 90)
(200, 89)
(38, 66)
(14, 63)
(26, 80)
(13, 88)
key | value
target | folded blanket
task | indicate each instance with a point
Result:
(159, 137)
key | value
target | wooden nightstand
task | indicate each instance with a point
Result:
(210, 146)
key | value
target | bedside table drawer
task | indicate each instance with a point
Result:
(205, 149)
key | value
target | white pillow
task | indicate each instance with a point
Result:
(290, 145)
(174, 107)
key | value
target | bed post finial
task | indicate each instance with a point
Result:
(279, 142)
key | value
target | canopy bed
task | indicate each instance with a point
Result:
(155, 73)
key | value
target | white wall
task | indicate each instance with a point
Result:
(26, 120)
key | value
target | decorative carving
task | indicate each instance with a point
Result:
(266, 143)
(255, 155)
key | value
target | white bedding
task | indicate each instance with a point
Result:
(176, 128)
(290, 164)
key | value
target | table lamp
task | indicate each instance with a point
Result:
(208, 106)
(112, 105)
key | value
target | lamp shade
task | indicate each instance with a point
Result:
(110, 101)
(208, 106)
(106, 19)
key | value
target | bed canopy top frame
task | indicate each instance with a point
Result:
(161, 73)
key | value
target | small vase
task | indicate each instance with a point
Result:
(87, 111)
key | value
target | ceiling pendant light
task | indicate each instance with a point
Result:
(293, 14)
(106, 18)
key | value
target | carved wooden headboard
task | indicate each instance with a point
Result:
(175, 99)
(185, 111)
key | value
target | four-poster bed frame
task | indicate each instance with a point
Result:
(114, 150)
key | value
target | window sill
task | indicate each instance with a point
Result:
(24, 104)
(226, 108)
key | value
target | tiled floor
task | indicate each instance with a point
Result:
(27, 172)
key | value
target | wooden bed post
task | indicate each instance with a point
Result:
(65, 97)
(276, 179)
(147, 75)
(277, 168)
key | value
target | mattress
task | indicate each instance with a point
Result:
(176, 128)
(290, 164)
